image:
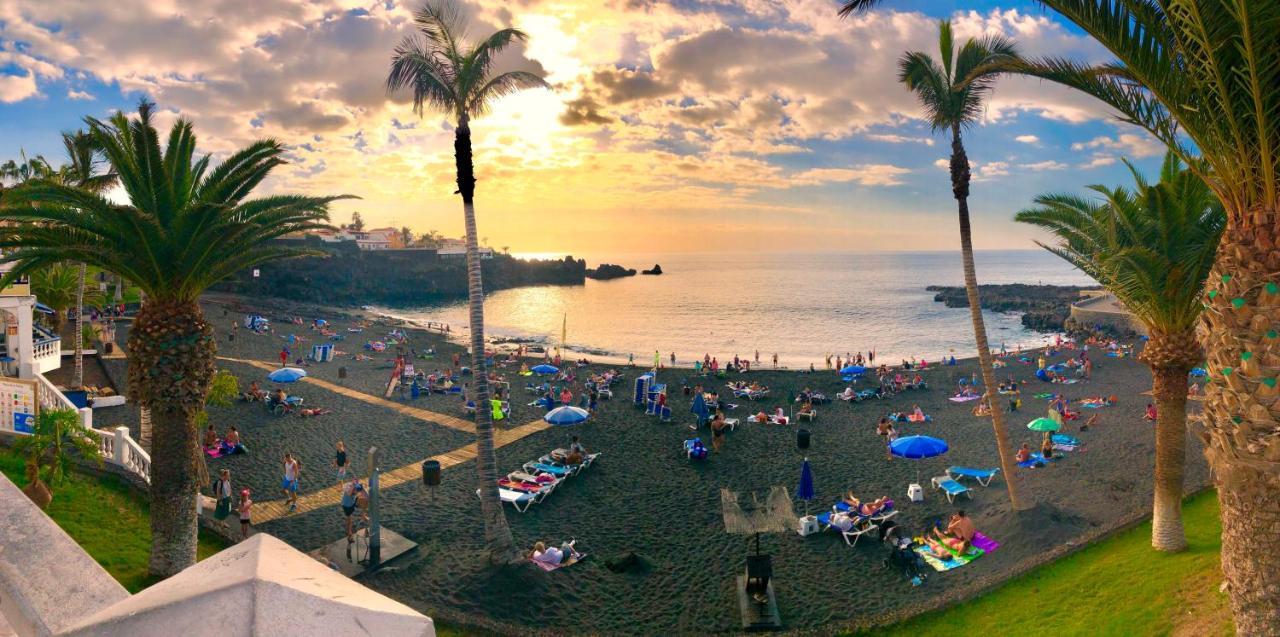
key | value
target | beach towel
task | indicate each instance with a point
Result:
(214, 452)
(553, 567)
(985, 543)
(962, 399)
(1045, 395)
(1035, 461)
(956, 560)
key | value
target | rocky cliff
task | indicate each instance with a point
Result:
(1044, 308)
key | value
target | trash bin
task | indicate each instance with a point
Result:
(802, 438)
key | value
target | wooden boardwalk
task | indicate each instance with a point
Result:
(330, 496)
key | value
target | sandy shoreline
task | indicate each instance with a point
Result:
(643, 498)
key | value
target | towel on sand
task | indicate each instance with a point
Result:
(963, 399)
(956, 560)
(551, 567)
(985, 543)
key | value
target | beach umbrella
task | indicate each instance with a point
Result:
(699, 408)
(566, 416)
(853, 370)
(545, 369)
(286, 375)
(1044, 424)
(41, 307)
(918, 447)
(804, 491)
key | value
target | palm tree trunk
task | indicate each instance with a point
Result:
(144, 412)
(77, 378)
(1169, 388)
(1240, 415)
(960, 189)
(497, 534)
(171, 365)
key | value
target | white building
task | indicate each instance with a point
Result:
(458, 248)
(26, 349)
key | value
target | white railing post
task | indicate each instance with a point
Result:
(86, 417)
(120, 447)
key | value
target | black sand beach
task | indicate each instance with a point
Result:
(643, 497)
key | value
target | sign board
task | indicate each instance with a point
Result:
(255, 273)
(18, 405)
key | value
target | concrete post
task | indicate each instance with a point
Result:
(25, 349)
(86, 417)
(118, 449)
(375, 516)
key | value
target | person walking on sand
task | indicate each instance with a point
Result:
(284, 356)
(775, 360)
(757, 357)
(340, 461)
(292, 469)
(673, 359)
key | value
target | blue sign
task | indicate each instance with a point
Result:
(24, 423)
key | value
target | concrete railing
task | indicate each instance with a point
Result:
(117, 446)
(47, 354)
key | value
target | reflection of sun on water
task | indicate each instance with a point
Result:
(540, 256)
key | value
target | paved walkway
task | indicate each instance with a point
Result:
(330, 496)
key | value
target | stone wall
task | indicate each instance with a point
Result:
(1103, 309)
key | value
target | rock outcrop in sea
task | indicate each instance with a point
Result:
(656, 269)
(606, 271)
(1044, 308)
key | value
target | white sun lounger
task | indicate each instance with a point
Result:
(519, 500)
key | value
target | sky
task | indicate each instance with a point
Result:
(670, 125)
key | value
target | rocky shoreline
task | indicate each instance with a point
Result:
(1044, 308)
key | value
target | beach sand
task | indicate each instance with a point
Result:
(643, 497)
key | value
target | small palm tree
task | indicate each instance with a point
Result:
(49, 449)
(59, 287)
(952, 99)
(88, 170)
(1152, 247)
(189, 224)
(449, 74)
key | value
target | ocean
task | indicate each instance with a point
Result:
(800, 306)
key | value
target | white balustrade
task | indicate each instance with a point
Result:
(116, 445)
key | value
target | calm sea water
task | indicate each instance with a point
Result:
(801, 306)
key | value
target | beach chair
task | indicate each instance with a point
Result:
(861, 526)
(883, 514)
(849, 398)
(542, 467)
(810, 415)
(731, 423)
(951, 487)
(983, 476)
(605, 393)
(519, 500)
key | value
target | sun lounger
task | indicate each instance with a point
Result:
(880, 516)
(519, 500)
(847, 397)
(983, 476)
(961, 398)
(731, 423)
(861, 526)
(951, 487)
(559, 472)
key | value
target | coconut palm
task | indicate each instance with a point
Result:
(88, 170)
(24, 169)
(188, 225)
(448, 73)
(952, 102)
(1205, 74)
(1152, 247)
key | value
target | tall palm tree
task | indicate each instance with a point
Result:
(88, 170)
(1152, 247)
(24, 169)
(1204, 74)
(188, 225)
(448, 73)
(953, 101)
(59, 286)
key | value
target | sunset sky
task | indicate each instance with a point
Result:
(673, 125)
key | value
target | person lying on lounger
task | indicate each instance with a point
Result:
(555, 555)
(848, 393)
(843, 521)
(255, 392)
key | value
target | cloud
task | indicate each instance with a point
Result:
(991, 170)
(899, 139)
(583, 110)
(865, 174)
(1046, 165)
(1027, 139)
(1133, 144)
(73, 94)
(1098, 161)
(15, 88)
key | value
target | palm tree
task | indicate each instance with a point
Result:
(24, 169)
(952, 101)
(188, 225)
(1152, 247)
(58, 286)
(449, 74)
(56, 433)
(87, 170)
(1203, 74)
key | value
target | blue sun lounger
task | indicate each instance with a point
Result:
(559, 472)
(951, 487)
(983, 476)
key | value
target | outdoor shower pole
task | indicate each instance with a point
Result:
(375, 516)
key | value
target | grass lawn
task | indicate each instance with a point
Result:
(1117, 587)
(107, 519)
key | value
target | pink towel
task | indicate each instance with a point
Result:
(985, 543)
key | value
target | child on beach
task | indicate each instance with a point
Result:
(244, 508)
(289, 485)
(340, 461)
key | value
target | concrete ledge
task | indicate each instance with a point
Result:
(47, 582)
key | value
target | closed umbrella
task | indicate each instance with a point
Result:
(804, 491)
(564, 416)
(699, 408)
(545, 369)
(286, 375)
(1044, 424)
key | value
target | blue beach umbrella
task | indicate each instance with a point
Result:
(853, 370)
(805, 489)
(917, 447)
(545, 369)
(286, 375)
(564, 416)
(699, 408)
